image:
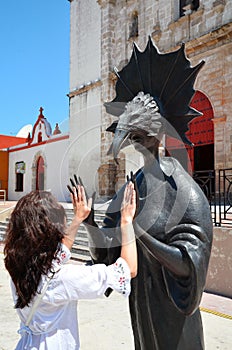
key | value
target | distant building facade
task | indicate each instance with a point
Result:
(101, 37)
(40, 163)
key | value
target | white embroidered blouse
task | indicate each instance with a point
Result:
(55, 323)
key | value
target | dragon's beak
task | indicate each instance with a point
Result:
(119, 142)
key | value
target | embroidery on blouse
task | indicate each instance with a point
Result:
(122, 276)
(63, 255)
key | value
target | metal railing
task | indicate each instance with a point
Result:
(217, 186)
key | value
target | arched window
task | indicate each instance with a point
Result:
(40, 138)
(134, 30)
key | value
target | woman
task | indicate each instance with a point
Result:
(45, 289)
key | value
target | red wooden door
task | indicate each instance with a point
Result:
(201, 134)
(40, 174)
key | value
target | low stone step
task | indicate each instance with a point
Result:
(3, 226)
(81, 258)
(82, 234)
(81, 241)
(80, 251)
(79, 247)
(97, 220)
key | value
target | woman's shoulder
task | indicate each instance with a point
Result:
(63, 256)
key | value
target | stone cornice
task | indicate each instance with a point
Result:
(214, 38)
(217, 120)
(85, 88)
(103, 3)
(210, 40)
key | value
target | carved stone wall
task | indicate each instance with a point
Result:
(207, 33)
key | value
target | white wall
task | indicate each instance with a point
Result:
(85, 42)
(56, 168)
(85, 108)
(14, 157)
(84, 149)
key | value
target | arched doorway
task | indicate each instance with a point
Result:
(40, 174)
(201, 134)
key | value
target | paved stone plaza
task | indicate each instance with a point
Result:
(105, 325)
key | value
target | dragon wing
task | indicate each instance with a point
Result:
(168, 78)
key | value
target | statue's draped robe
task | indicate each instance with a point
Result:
(164, 307)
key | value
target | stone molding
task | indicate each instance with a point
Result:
(210, 40)
(103, 3)
(207, 41)
(85, 88)
(218, 120)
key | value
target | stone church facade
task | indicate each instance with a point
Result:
(101, 37)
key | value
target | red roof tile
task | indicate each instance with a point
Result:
(8, 141)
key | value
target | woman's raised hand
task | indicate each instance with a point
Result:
(75, 181)
(81, 206)
(128, 204)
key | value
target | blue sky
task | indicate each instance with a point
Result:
(34, 62)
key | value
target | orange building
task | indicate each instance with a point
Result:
(5, 143)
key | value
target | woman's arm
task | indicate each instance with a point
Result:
(82, 209)
(129, 249)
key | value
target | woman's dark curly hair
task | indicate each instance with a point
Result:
(34, 236)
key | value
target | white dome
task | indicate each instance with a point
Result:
(23, 132)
